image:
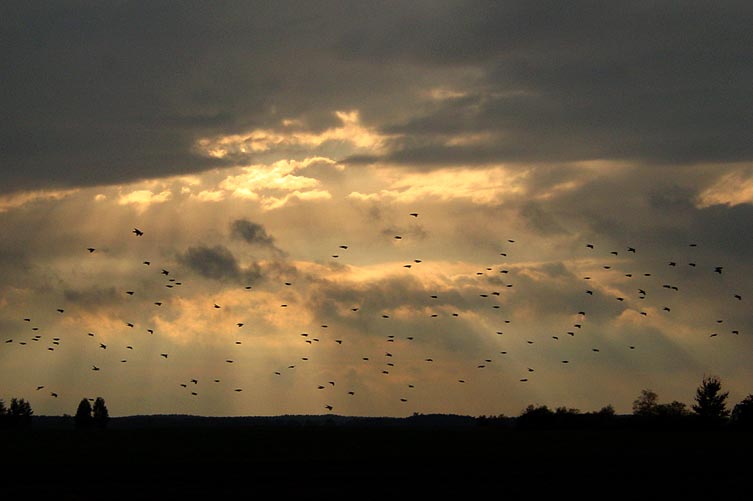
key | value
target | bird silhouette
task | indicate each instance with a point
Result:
(137, 232)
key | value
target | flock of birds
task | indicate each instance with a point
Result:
(386, 359)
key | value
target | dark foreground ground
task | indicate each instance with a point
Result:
(315, 462)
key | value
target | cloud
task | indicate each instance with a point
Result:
(459, 83)
(142, 199)
(218, 263)
(251, 233)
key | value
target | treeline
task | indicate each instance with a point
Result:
(710, 410)
(19, 414)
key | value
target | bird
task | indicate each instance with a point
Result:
(137, 232)
(40, 387)
(53, 394)
(414, 214)
(328, 407)
(103, 346)
(147, 263)
(718, 269)
(163, 355)
(95, 368)
(91, 249)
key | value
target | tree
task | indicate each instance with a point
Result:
(673, 409)
(646, 404)
(100, 415)
(742, 414)
(711, 403)
(607, 411)
(83, 418)
(20, 412)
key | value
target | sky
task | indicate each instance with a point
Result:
(374, 208)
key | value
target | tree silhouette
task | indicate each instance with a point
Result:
(83, 418)
(100, 415)
(742, 414)
(646, 404)
(20, 412)
(710, 401)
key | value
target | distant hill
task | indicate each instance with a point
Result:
(190, 421)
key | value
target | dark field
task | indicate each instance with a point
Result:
(371, 462)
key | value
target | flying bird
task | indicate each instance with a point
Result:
(137, 232)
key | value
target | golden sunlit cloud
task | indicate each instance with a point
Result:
(350, 131)
(15, 200)
(142, 199)
(264, 182)
(481, 186)
(733, 188)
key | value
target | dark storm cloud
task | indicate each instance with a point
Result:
(110, 92)
(95, 93)
(663, 83)
(218, 263)
(252, 233)
(92, 298)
